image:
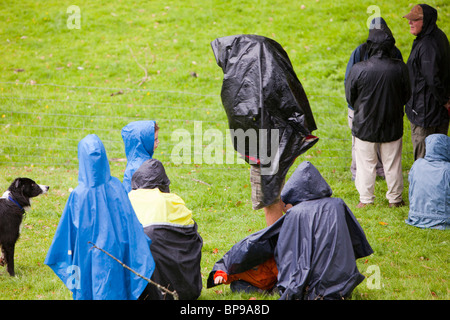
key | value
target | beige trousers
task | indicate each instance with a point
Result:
(366, 162)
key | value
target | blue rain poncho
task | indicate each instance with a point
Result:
(429, 186)
(139, 139)
(98, 210)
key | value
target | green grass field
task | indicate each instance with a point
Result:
(134, 60)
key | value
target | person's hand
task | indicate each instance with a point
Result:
(218, 280)
(285, 206)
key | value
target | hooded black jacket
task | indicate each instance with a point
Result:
(429, 70)
(378, 88)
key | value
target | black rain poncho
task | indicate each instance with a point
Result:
(315, 244)
(261, 91)
(319, 241)
(251, 251)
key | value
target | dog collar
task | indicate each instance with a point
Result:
(11, 199)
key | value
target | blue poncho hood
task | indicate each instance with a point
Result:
(138, 138)
(437, 148)
(99, 211)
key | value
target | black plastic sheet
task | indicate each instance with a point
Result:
(261, 92)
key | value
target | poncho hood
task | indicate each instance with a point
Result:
(151, 174)
(138, 138)
(259, 78)
(93, 163)
(306, 183)
(437, 148)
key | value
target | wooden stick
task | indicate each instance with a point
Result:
(173, 293)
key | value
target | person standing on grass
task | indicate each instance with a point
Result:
(264, 99)
(428, 110)
(141, 140)
(358, 55)
(378, 89)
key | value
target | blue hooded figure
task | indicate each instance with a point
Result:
(429, 185)
(139, 140)
(99, 211)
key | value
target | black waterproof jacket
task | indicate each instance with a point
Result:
(429, 70)
(261, 92)
(378, 88)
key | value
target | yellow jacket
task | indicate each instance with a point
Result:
(155, 207)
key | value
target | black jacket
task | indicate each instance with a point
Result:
(261, 92)
(429, 70)
(378, 88)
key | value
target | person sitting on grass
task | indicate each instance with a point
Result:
(429, 185)
(319, 241)
(141, 140)
(176, 245)
(309, 253)
(98, 212)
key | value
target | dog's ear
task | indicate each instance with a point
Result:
(16, 183)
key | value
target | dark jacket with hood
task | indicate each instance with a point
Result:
(361, 52)
(315, 244)
(261, 92)
(378, 89)
(429, 70)
(319, 241)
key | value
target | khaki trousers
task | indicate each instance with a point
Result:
(419, 134)
(366, 162)
(380, 171)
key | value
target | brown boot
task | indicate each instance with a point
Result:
(397, 204)
(363, 205)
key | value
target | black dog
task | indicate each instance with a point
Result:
(12, 209)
